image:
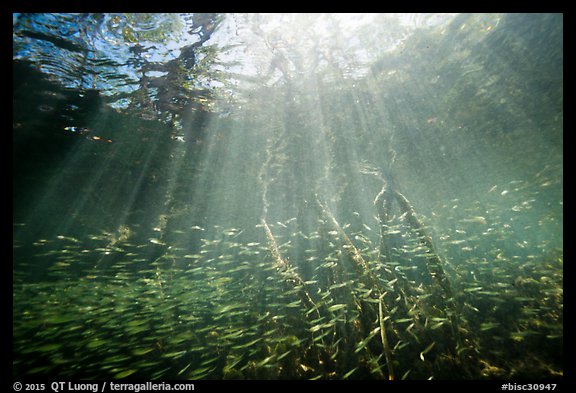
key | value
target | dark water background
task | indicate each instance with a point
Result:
(153, 152)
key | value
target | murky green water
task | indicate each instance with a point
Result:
(288, 196)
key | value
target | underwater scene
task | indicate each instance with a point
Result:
(288, 196)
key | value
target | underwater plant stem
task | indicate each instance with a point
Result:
(434, 265)
(385, 345)
(363, 271)
(360, 265)
(383, 203)
(284, 266)
(433, 262)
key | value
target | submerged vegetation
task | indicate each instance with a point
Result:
(237, 309)
(315, 215)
